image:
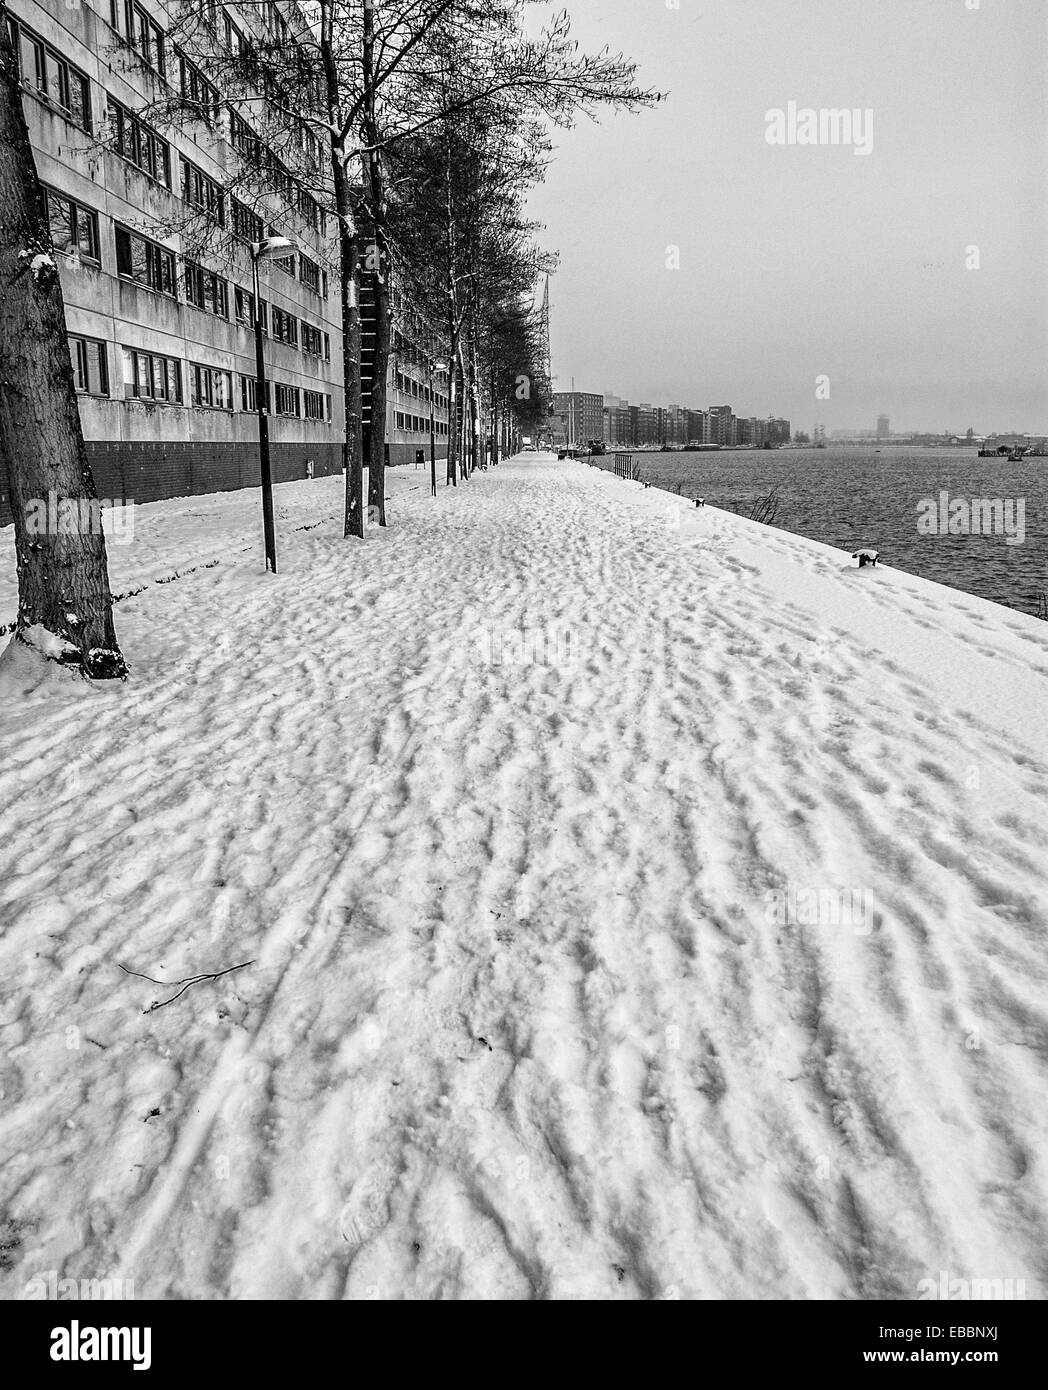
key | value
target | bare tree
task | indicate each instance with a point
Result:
(65, 606)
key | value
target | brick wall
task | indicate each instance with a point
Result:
(146, 472)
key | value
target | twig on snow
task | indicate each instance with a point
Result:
(192, 980)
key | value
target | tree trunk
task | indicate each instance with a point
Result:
(453, 439)
(480, 452)
(380, 372)
(349, 290)
(494, 422)
(348, 266)
(467, 415)
(63, 579)
(376, 191)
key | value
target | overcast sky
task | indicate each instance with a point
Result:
(803, 261)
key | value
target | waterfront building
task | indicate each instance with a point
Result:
(579, 416)
(778, 431)
(610, 416)
(883, 427)
(160, 316)
(697, 427)
(647, 424)
(721, 426)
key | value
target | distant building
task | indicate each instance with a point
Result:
(647, 424)
(884, 428)
(578, 416)
(721, 418)
(696, 427)
(610, 415)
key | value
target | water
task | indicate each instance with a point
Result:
(857, 497)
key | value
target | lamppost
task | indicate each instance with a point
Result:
(266, 247)
(433, 367)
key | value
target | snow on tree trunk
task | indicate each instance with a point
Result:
(65, 606)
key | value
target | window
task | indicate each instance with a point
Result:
(309, 211)
(197, 89)
(245, 310)
(286, 400)
(211, 387)
(90, 370)
(145, 37)
(285, 328)
(142, 260)
(150, 376)
(310, 146)
(312, 339)
(275, 22)
(327, 347)
(249, 393)
(316, 405)
(246, 224)
(48, 75)
(245, 307)
(203, 193)
(244, 139)
(284, 263)
(133, 140)
(74, 228)
(309, 274)
(279, 177)
(232, 37)
(206, 290)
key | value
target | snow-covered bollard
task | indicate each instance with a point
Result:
(866, 556)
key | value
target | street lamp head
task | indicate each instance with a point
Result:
(270, 244)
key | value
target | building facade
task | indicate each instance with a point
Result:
(578, 417)
(153, 251)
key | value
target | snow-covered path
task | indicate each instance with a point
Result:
(524, 1017)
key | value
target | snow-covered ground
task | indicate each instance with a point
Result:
(532, 815)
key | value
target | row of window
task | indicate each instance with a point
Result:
(152, 376)
(74, 229)
(286, 327)
(46, 72)
(137, 142)
(141, 32)
(52, 76)
(418, 424)
(411, 387)
(148, 41)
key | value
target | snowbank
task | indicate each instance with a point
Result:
(641, 904)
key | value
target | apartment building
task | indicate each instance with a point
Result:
(578, 416)
(412, 389)
(153, 248)
(722, 425)
(697, 427)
